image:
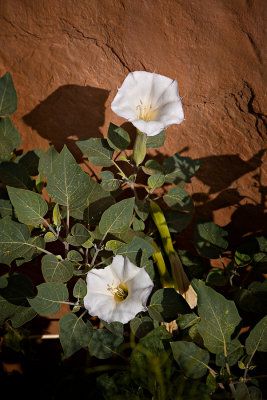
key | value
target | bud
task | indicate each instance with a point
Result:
(139, 150)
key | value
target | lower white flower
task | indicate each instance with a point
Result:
(118, 292)
(150, 101)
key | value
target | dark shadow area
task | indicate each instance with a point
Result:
(70, 112)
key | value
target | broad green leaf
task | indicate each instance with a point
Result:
(30, 161)
(97, 150)
(68, 185)
(74, 334)
(49, 237)
(191, 359)
(156, 180)
(14, 175)
(179, 199)
(117, 218)
(74, 255)
(56, 215)
(219, 319)
(80, 289)
(39, 183)
(138, 251)
(259, 261)
(29, 206)
(142, 208)
(116, 327)
(245, 252)
(55, 270)
(140, 326)
(166, 304)
(152, 167)
(257, 339)
(5, 208)
(154, 142)
(113, 245)
(262, 243)
(187, 321)
(138, 225)
(253, 299)
(6, 148)
(118, 138)
(104, 343)
(178, 168)
(49, 298)
(109, 183)
(209, 238)
(234, 351)
(32, 250)
(177, 221)
(14, 240)
(79, 235)
(8, 131)
(8, 96)
(243, 392)
(14, 291)
(46, 162)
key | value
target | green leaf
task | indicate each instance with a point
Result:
(142, 208)
(74, 255)
(219, 319)
(49, 298)
(46, 162)
(14, 240)
(152, 167)
(244, 253)
(216, 277)
(14, 175)
(104, 343)
(14, 291)
(193, 265)
(156, 180)
(80, 289)
(177, 221)
(257, 339)
(179, 199)
(166, 304)
(118, 138)
(49, 237)
(156, 141)
(68, 185)
(140, 326)
(6, 148)
(116, 327)
(113, 245)
(187, 321)
(5, 208)
(178, 168)
(8, 131)
(209, 238)
(29, 206)
(79, 235)
(74, 333)
(97, 150)
(234, 351)
(138, 225)
(117, 218)
(243, 392)
(8, 96)
(259, 261)
(254, 298)
(138, 251)
(191, 359)
(55, 270)
(30, 161)
(109, 183)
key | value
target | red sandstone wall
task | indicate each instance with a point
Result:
(67, 58)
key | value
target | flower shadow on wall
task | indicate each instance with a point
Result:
(70, 113)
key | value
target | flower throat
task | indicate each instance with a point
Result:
(120, 292)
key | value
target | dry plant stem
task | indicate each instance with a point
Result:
(231, 385)
(54, 232)
(98, 249)
(248, 364)
(67, 230)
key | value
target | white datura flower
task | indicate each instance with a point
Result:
(150, 101)
(118, 292)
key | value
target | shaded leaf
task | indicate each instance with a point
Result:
(109, 183)
(116, 327)
(142, 208)
(210, 239)
(179, 199)
(118, 138)
(178, 168)
(30, 161)
(104, 343)
(117, 218)
(5, 208)
(257, 339)
(14, 175)
(97, 150)
(8, 131)
(140, 326)
(138, 251)
(79, 235)
(234, 351)
(191, 359)
(177, 221)
(156, 180)
(49, 297)
(80, 289)
(74, 333)
(46, 162)
(74, 255)
(156, 141)
(55, 270)
(8, 96)
(243, 392)
(166, 304)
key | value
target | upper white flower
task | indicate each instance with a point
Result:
(118, 292)
(150, 101)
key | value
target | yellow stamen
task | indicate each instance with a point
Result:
(120, 292)
(145, 112)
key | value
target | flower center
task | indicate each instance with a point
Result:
(145, 112)
(120, 292)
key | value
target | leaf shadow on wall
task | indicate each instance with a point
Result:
(70, 113)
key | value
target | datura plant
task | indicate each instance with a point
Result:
(107, 248)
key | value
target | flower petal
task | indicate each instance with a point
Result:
(99, 279)
(100, 305)
(140, 286)
(123, 268)
(127, 310)
(151, 128)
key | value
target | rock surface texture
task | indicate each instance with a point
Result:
(67, 59)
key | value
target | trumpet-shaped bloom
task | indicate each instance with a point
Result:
(150, 101)
(117, 292)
